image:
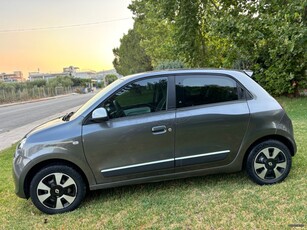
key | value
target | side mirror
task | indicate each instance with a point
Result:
(100, 114)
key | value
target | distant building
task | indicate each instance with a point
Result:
(46, 76)
(102, 74)
(74, 72)
(16, 76)
(86, 74)
(70, 71)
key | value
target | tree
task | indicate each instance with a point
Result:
(80, 81)
(267, 36)
(110, 78)
(130, 57)
(269, 39)
(156, 32)
(179, 30)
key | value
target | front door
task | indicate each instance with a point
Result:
(137, 140)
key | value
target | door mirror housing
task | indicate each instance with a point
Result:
(100, 114)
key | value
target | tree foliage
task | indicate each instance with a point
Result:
(54, 82)
(179, 30)
(60, 81)
(110, 78)
(267, 36)
(167, 64)
(80, 81)
(130, 57)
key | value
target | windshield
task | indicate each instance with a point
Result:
(90, 102)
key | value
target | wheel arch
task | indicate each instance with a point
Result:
(282, 139)
(43, 164)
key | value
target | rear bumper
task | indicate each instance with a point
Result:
(285, 129)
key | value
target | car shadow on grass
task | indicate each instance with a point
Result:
(232, 181)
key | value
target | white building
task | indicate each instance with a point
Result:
(86, 74)
(16, 76)
(74, 72)
(46, 76)
(70, 71)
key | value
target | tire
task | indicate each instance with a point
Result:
(268, 162)
(57, 189)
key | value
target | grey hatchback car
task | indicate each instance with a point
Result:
(156, 126)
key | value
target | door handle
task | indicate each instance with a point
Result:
(158, 129)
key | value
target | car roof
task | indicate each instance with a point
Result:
(231, 72)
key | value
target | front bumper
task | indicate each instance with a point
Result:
(19, 174)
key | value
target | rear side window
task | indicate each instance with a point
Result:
(201, 90)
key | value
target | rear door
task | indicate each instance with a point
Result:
(211, 120)
(137, 140)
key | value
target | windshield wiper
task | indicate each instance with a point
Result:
(67, 116)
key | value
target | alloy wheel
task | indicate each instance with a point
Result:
(270, 163)
(56, 190)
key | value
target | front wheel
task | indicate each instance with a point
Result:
(269, 162)
(57, 189)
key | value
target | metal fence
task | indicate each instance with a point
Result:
(14, 95)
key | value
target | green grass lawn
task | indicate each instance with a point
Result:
(211, 202)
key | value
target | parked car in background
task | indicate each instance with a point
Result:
(156, 126)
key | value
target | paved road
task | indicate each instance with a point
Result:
(18, 120)
(14, 116)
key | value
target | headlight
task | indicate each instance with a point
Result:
(21, 144)
(19, 148)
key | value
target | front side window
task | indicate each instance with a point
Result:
(139, 97)
(201, 90)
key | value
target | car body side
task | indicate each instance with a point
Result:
(62, 142)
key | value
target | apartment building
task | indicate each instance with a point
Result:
(16, 76)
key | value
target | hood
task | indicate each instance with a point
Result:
(56, 130)
(49, 124)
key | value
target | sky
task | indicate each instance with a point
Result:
(47, 35)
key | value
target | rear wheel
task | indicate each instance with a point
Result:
(57, 189)
(269, 162)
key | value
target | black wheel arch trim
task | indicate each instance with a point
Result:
(54, 161)
(287, 142)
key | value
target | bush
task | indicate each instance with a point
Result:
(110, 78)
(60, 81)
(80, 82)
